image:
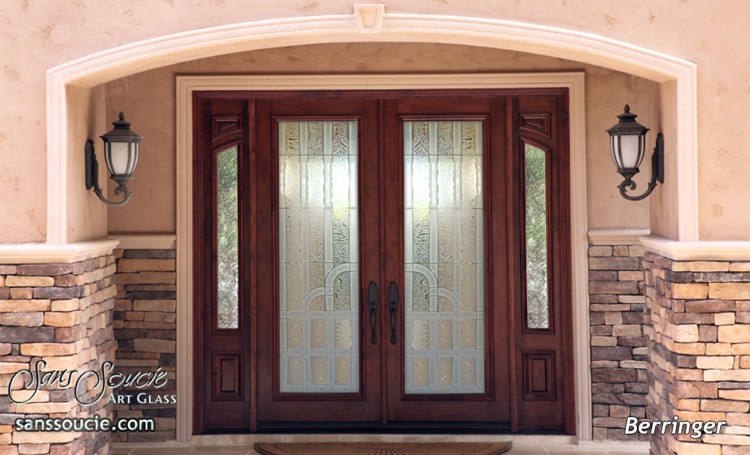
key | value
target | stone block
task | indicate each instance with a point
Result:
(738, 419)
(65, 305)
(724, 318)
(613, 376)
(63, 319)
(689, 348)
(689, 290)
(602, 275)
(69, 280)
(155, 305)
(718, 348)
(730, 291)
(21, 293)
(611, 353)
(150, 254)
(24, 305)
(145, 265)
(33, 449)
(27, 334)
(739, 333)
(51, 349)
(727, 439)
(688, 405)
(685, 333)
(727, 375)
(715, 362)
(613, 317)
(709, 306)
(613, 287)
(153, 345)
(743, 395)
(157, 277)
(708, 333)
(613, 263)
(22, 319)
(600, 251)
(609, 307)
(700, 266)
(630, 275)
(603, 341)
(58, 293)
(627, 330)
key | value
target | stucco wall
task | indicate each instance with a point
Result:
(149, 100)
(36, 36)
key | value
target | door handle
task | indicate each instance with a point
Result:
(372, 301)
(393, 307)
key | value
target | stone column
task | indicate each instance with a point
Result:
(699, 352)
(60, 314)
(618, 345)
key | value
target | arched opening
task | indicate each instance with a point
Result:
(676, 78)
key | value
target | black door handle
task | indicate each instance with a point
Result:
(393, 307)
(372, 301)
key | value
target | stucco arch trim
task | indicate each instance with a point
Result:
(676, 75)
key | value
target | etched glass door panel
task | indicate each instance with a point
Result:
(318, 257)
(444, 258)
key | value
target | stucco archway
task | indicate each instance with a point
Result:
(678, 79)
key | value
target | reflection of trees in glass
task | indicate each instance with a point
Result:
(227, 238)
(536, 238)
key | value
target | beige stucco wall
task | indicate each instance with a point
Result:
(149, 99)
(36, 36)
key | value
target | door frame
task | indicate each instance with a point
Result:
(573, 81)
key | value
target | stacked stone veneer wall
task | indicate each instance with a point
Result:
(145, 328)
(618, 345)
(699, 347)
(60, 314)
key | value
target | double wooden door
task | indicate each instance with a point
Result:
(390, 260)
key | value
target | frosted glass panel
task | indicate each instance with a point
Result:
(444, 257)
(319, 255)
(227, 240)
(537, 308)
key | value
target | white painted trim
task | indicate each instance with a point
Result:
(617, 236)
(697, 251)
(574, 82)
(139, 56)
(44, 253)
(145, 241)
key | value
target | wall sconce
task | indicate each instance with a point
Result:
(628, 147)
(121, 148)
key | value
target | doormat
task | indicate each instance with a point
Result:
(385, 448)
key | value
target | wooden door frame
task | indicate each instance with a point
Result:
(572, 81)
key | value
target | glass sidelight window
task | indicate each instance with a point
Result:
(319, 257)
(227, 220)
(444, 257)
(535, 203)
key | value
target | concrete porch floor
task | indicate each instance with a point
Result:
(522, 445)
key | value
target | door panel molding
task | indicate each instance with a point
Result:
(574, 82)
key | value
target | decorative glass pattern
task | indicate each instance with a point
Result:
(227, 248)
(537, 290)
(319, 257)
(444, 254)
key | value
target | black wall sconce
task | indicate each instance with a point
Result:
(628, 147)
(121, 148)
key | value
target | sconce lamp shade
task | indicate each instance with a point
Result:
(121, 149)
(627, 143)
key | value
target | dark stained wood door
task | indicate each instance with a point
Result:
(450, 307)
